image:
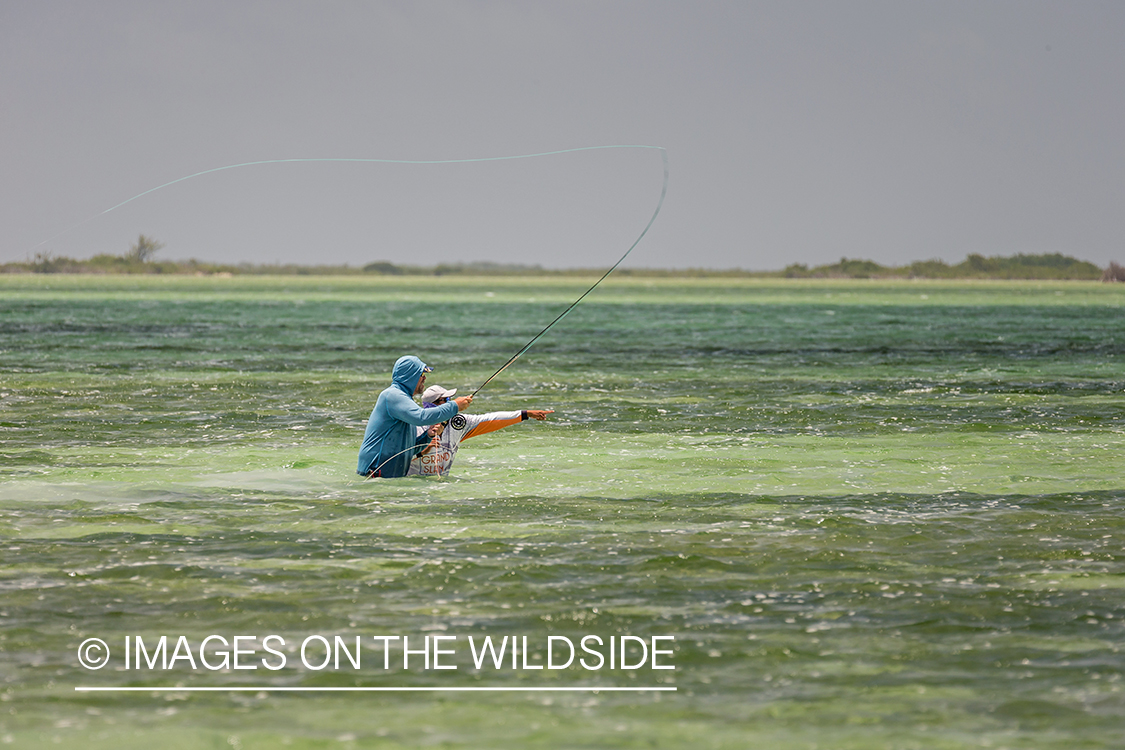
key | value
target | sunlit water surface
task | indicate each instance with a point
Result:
(872, 515)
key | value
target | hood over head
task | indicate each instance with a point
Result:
(407, 371)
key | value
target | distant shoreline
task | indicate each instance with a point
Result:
(1018, 267)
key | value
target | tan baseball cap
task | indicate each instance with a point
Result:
(434, 392)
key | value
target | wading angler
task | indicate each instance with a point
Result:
(391, 439)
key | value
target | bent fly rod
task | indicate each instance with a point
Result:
(528, 345)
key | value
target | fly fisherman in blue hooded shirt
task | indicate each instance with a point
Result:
(391, 439)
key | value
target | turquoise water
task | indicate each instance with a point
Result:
(871, 515)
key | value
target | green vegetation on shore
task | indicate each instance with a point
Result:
(1047, 266)
(139, 260)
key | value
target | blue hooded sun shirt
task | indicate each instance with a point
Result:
(391, 427)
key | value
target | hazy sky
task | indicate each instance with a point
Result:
(796, 131)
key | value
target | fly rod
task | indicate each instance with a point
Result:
(528, 345)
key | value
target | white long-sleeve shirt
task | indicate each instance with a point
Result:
(461, 427)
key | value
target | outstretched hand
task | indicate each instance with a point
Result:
(539, 414)
(463, 402)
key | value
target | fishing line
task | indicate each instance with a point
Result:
(354, 160)
(377, 469)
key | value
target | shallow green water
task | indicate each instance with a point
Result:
(872, 515)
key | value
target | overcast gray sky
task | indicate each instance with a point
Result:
(796, 131)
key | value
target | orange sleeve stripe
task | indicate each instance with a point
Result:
(491, 426)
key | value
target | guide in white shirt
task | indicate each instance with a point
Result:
(438, 458)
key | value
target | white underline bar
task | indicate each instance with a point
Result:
(264, 689)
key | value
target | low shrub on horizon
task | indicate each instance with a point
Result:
(1052, 266)
(975, 266)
